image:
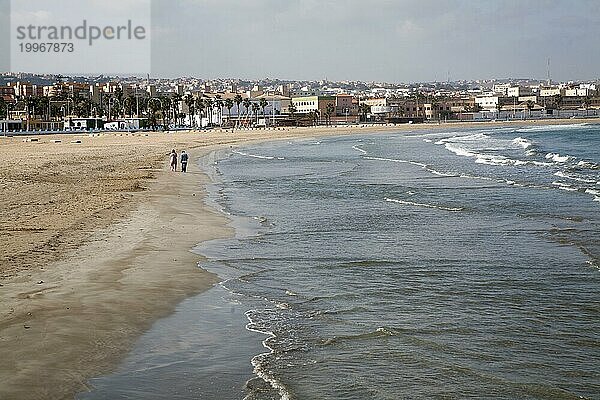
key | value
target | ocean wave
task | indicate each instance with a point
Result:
(531, 153)
(425, 205)
(490, 159)
(418, 164)
(546, 128)
(483, 178)
(241, 153)
(524, 143)
(396, 161)
(476, 137)
(574, 178)
(459, 150)
(257, 361)
(564, 186)
(588, 165)
(438, 173)
(503, 160)
(342, 311)
(377, 333)
(593, 191)
(428, 140)
(359, 149)
(558, 158)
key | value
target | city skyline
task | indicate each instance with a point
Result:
(382, 41)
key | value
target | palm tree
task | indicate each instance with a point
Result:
(129, 104)
(200, 108)
(314, 117)
(175, 100)
(330, 109)
(587, 101)
(238, 100)
(167, 104)
(189, 102)
(119, 94)
(263, 104)
(154, 108)
(366, 109)
(529, 104)
(208, 103)
(247, 104)
(41, 107)
(435, 109)
(558, 102)
(292, 110)
(219, 105)
(255, 108)
(418, 96)
(229, 106)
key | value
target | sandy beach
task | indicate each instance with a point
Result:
(96, 240)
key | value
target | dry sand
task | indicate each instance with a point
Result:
(95, 243)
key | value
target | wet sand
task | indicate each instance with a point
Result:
(95, 246)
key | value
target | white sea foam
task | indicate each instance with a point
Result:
(459, 150)
(557, 157)
(258, 370)
(396, 161)
(438, 173)
(593, 191)
(524, 143)
(564, 186)
(483, 178)
(359, 149)
(588, 164)
(411, 203)
(475, 137)
(490, 159)
(574, 178)
(241, 153)
(551, 128)
(428, 140)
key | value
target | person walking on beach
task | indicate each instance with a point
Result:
(184, 161)
(173, 160)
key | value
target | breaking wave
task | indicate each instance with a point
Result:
(241, 153)
(425, 205)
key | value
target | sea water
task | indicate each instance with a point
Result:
(425, 264)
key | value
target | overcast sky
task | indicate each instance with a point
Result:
(380, 40)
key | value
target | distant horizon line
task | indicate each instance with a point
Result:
(137, 76)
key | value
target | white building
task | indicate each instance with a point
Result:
(502, 89)
(518, 91)
(487, 103)
(549, 92)
(83, 124)
(125, 124)
(579, 92)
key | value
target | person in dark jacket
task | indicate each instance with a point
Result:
(184, 161)
(173, 160)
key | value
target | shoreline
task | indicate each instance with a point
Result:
(96, 298)
(88, 309)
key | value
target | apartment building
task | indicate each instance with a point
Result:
(307, 104)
